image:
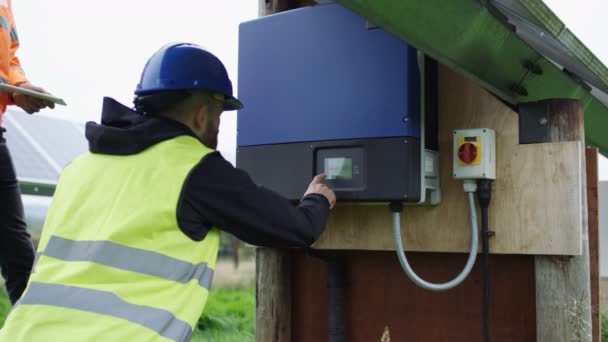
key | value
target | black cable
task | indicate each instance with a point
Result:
(396, 207)
(336, 287)
(336, 294)
(486, 277)
(484, 196)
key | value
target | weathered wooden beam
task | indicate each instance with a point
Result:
(594, 239)
(267, 7)
(563, 310)
(273, 266)
(273, 295)
(549, 121)
(272, 270)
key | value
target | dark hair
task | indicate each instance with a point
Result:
(161, 102)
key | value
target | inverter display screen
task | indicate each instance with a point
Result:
(339, 168)
(343, 166)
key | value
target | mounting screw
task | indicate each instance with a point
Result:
(406, 119)
(542, 121)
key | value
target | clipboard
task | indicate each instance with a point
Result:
(19, 90)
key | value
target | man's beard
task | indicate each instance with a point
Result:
(210, 140)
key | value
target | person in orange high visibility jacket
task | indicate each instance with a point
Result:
(16, 250)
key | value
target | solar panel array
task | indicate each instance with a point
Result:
(41, 146)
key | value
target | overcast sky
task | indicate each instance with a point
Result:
(83, 50)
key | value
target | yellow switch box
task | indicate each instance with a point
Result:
(474, 155)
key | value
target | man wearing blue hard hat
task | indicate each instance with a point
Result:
(129, 245)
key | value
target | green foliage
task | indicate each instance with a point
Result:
(580, 327)
(604, 327)
(5, 306)
(228, 316)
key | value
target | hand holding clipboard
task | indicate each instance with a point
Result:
(18, 90)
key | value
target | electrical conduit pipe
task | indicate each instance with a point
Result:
(470, 187)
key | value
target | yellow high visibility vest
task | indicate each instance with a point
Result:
(112, 263)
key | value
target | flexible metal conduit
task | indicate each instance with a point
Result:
(467, 268)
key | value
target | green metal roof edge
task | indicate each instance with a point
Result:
(468, 38)
(556, 27)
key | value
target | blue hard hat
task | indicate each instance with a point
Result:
(184, 66)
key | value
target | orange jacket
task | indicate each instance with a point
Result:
(10, 68)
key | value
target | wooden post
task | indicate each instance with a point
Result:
(273, 295)
(594, 240)
(273, 274)
(563, 309)
(268, 7)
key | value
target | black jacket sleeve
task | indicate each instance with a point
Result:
(218, 194)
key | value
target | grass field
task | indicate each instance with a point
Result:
(5, 306)
(228, 316)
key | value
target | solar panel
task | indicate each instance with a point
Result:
(42, 146)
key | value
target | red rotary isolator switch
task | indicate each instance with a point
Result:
(467, 153)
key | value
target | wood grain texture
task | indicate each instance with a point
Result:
(563, 291)
(381, 298)
(536, 205)
(273, 295)
(594, 239)
(267, 7)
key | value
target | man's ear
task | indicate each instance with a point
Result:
(200, 117)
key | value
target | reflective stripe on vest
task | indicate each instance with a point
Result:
(128, 258)
(107, 303)
(3, 81)
(6, 24)
(113, 262)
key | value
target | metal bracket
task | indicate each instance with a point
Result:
(533, 123)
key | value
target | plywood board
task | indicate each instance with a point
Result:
(536, 206)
